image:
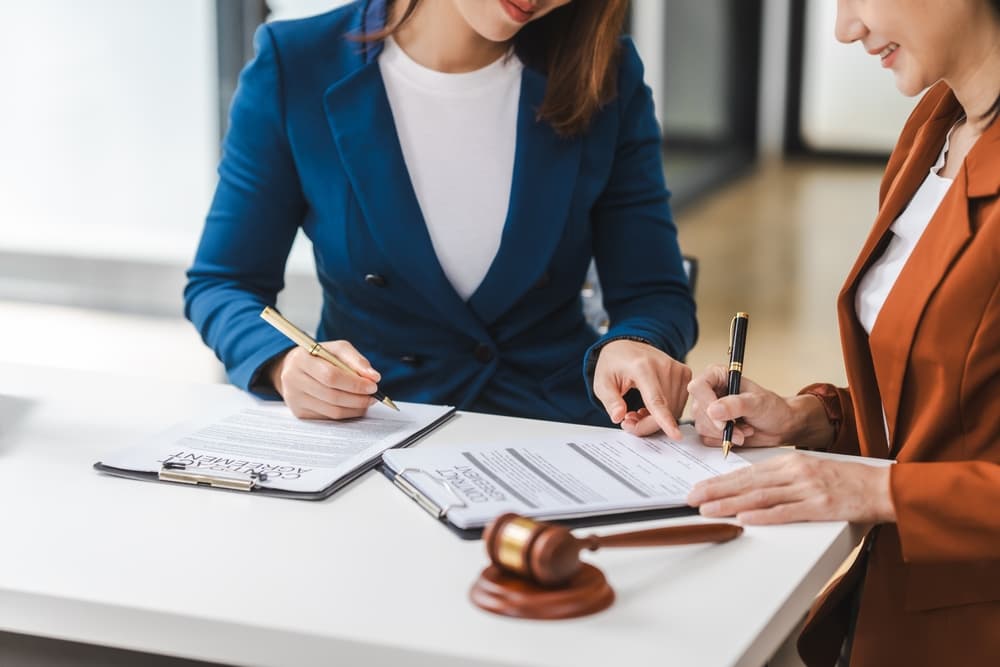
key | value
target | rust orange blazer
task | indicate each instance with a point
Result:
(931, 581)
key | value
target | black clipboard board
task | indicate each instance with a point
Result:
(322, 494)
(578, 522)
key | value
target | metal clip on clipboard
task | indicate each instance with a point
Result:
(178, 472)
(420, 498)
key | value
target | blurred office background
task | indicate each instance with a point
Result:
(112, 113)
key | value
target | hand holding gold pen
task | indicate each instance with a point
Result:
(315, 349)
(737, 345)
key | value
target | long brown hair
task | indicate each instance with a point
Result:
(576, 46)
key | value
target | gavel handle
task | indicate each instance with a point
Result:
(669, 535)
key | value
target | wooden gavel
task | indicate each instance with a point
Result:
(549, 555)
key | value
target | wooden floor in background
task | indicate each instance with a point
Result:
(778, 244)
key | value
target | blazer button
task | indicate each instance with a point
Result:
(483, 354)
(375, 280)
(411, 360)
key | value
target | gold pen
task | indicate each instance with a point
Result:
(301, 338)
(737, 345)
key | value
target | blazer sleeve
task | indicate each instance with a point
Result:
(947, 511)
(646, 292)
(839, 409)
(257, 209)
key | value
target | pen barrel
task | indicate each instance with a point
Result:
(317, 350)
(670, 535)
(739, 340)
(733, 385)
(737, 346)
(727, 431)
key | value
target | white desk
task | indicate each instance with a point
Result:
(365, 577)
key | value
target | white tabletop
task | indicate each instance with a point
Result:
(366, 577)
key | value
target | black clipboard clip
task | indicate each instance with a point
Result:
(174, 471)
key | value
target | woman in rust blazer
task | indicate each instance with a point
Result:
(920, 326)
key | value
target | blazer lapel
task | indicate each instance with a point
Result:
(921, 157)
(947, 235)
(861, 379)
(874, 386)
(545, 171)
(892, 336)
(364, 132)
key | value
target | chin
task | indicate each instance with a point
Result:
(497, 32)
(491, 22)
(496, 28)
(910, 86)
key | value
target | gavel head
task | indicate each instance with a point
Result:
(542, 553)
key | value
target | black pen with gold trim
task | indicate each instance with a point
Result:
(275, 319)
(737, 345)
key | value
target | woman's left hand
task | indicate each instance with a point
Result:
(798, 487)
(661, 380)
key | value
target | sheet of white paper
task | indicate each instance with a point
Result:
(560, 478)
(296, 454)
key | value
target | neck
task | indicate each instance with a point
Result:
(439, 38)
(977, 83)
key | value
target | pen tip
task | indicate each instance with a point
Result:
(388, 401)
(726, 446)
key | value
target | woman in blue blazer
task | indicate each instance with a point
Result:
(315, 142)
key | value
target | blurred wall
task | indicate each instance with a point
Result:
(849, 103)
(108, 124)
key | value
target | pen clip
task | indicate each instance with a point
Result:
(179, 473)
(732, 337)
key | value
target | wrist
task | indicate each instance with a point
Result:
(594, 355)
(272, 371)
(885, 509)
(810, 427)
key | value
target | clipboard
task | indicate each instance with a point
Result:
(254, 483)
(441, 513)
(240, 484)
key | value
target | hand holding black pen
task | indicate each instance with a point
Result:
(737, 345)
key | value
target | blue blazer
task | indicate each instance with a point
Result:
(312, 144)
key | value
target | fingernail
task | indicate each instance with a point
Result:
(374, 374)
(710, 509)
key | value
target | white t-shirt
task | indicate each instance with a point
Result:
(458, 133)
(878, 281)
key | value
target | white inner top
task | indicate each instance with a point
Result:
(458, 133)
(877, 282)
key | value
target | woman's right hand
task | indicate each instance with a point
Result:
(766, 419)
(316, 389)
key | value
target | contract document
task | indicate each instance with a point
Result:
(269, 449)
(562, 478)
